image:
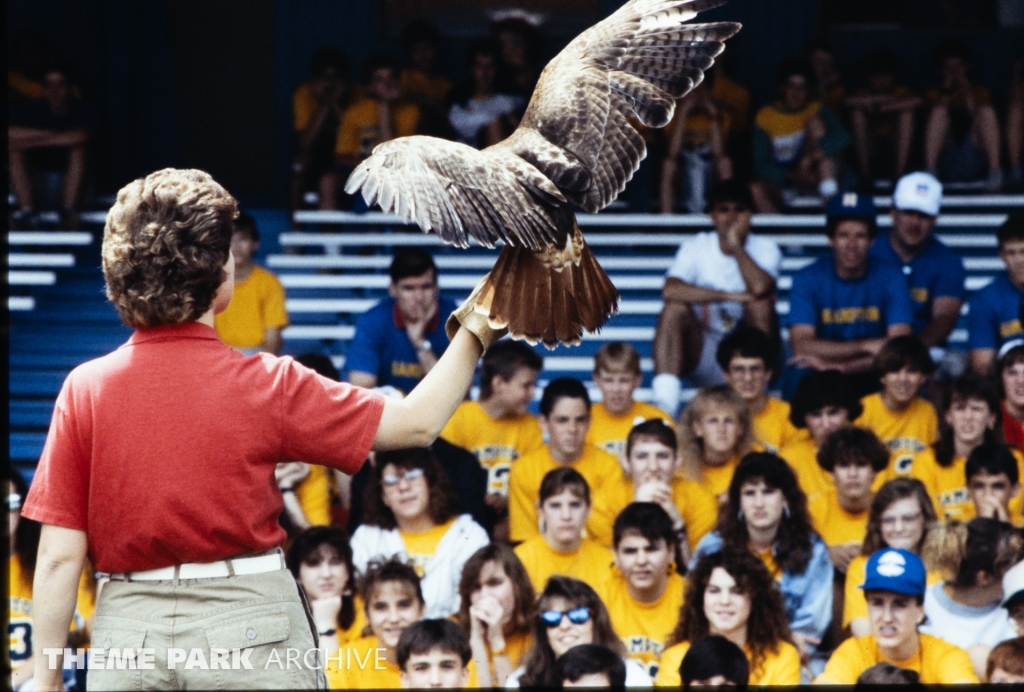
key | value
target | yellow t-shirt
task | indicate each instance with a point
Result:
(589, 562)
(257, 305)
(786, 130)
(20, 619)
(359, 131)
(936, 661)
(609, 431)
(360, 665)
(947, 486)
(716, 479)
(314, 495)
(781, 667)
(421, 546)
(773, 429)
(516, 645)
(355, 630)
(430, 87)
(855, 606)
(906, 433)
(643, 627)
(802, 457)
(527, 474)
(697, 506)
(834, 524)
(496, 443)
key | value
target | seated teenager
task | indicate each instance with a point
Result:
(714, 661)
(565, 419)
(993, 483)
(433, 653)
(901, 515)
(591, 665)
(766, 514)
(561, 549)
(731, 593)
(747, 357)
(569, 613)
(497, 609)
(965, 608)
(1013, 596)
(1006, 663)
(894, 588)
(854, 457)
(393, 599)
(652, 462)
(714, 432)
(901, 419)
(410, 513)
(643, 591)
(321, 560)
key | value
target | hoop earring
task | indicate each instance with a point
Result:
(739, 515)
(785, 510)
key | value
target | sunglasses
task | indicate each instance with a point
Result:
(410, 475)
(577, 616)
(13, 502)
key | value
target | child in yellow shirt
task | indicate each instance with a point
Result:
(565, 418)
(993, 483)
(561, 549)
(652, 462)
(433, 653)
(714, 433)
(617, 374)
(746, 356)
(901, 419)
(644, 592)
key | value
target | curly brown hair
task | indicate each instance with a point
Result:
(503, 555)
(443, 504)
(767, 625)
(893, 491)
(165, 244)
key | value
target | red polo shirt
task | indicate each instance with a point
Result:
(164, 450)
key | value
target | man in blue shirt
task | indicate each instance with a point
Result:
(844, 306)
(935, 274)
(995, 310)
(401, 338)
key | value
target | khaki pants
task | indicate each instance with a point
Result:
(241, 632)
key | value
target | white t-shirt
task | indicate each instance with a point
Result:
(467, 118)
(963, 625)
(636, 676)
(701, 262)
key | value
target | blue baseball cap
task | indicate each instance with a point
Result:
(896, 570)
(851, 205)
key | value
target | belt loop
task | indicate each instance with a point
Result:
(280, 554)
(177, 573)
(231, 567)
(127, 576)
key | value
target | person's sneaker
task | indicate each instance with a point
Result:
(994, 181)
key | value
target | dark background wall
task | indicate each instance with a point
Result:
(208, 83)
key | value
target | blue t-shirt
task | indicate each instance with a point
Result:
(994, 318)
(842, 310)
(382, 348)
(936, 272)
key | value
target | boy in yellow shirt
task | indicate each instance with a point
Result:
(746, 356)
(617, 374)
(565, 417)
(652, 462)
(993, 484)
(905, 422)
(561, 549)
(434, 653)
(644, 592)
(498, 428)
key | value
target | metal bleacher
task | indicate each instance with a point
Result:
(335, 267)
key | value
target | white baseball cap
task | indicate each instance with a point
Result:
(918, 192)
(1013, 583)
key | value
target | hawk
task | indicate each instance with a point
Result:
(577, 144)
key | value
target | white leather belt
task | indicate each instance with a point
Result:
(257, 564)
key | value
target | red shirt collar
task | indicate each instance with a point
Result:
(432, 325)
(188, 330)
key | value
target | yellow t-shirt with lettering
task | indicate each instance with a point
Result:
(936, 661)
(497, 443)
(716, 479)
(835, 525)
(947, 486)
(314, 495)
(360, 665)
(609, 431)
(20, 619)
(595, 466)
(359, 130)
(422, 545)
(696, 505)
(772, 428)
(855, 606)
(781, 667)
(906, 433)
(256, 305)
(588, 563)
(643, 627)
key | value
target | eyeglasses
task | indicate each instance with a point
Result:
(13, 502)
(906, 519)
(409, 475)
(553, 618)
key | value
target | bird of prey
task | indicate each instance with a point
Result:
(577, 144)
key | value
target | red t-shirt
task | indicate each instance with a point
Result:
(1012, 429)
(164, 450)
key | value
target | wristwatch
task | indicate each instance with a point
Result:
(424, 346)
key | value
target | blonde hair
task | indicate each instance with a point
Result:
(617, 356)
(691, 447)
(960, 550)
(165, 244)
